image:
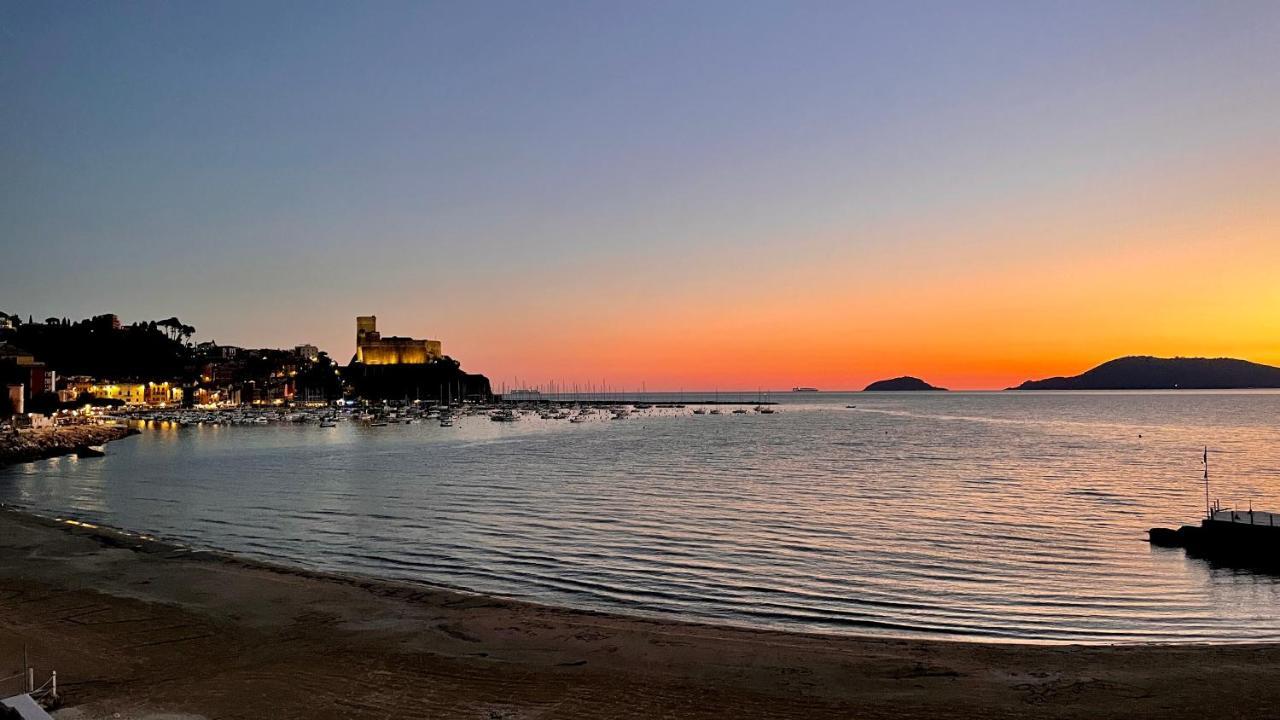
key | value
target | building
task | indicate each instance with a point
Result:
(109, 321)
(21, 367)
(159, 394)
(310, 353)
(373, 349)
(130, 393)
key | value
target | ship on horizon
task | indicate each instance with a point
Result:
(804, 389)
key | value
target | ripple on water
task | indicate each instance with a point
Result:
(993, 516)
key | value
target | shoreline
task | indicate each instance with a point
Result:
(140, 627)
(22, 446)
(144, 542)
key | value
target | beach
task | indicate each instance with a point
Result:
(138, 628)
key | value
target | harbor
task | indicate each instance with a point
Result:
(427, 413)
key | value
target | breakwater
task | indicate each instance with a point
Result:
(28, 445)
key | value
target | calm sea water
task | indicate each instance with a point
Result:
(998, 516)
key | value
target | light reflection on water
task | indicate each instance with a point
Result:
(998, 516)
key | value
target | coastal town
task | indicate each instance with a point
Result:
(58, 364)
(71, 387)
(67, 382)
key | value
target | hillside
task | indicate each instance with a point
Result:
(1153, 373)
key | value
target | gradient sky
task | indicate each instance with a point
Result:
(688, 194)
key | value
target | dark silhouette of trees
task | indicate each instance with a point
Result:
(134, 352)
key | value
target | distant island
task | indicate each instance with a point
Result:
(1153, 373)
(900, 384)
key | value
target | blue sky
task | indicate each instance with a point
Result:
(269, 170)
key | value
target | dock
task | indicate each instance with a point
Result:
(1244, 537)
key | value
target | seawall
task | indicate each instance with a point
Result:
(28, 445)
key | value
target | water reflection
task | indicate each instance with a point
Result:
(1001, 516)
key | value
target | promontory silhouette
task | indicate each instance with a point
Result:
(899, 384)
(1153, 373)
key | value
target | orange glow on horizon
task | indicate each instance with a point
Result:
(960, 324)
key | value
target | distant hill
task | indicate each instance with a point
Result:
(899, 384)
(1153, 373)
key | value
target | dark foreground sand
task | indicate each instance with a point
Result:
(144, 630)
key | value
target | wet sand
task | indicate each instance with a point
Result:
(142, 629)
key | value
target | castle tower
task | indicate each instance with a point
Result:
(366, 325)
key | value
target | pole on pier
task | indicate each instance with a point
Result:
(31, 680)
(1208, 513)
(53, 683)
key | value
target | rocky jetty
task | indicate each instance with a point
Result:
(28, 445)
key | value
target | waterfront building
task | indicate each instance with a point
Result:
(310, 353)
(373, 349)
(21, 367)
(130, 393)
(160, 394)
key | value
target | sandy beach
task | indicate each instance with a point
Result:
(143, 629)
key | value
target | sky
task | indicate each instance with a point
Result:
(731, 195)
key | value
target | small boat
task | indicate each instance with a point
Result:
(700, 411)
(740, 411)
(446, 421)
(717, 412)
(328, 424)
(504, 416)
(88, 451)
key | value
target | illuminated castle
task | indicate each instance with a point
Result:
(373, 349)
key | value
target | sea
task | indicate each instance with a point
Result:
(1001, 516)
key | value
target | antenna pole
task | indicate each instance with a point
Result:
(1207, 512)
